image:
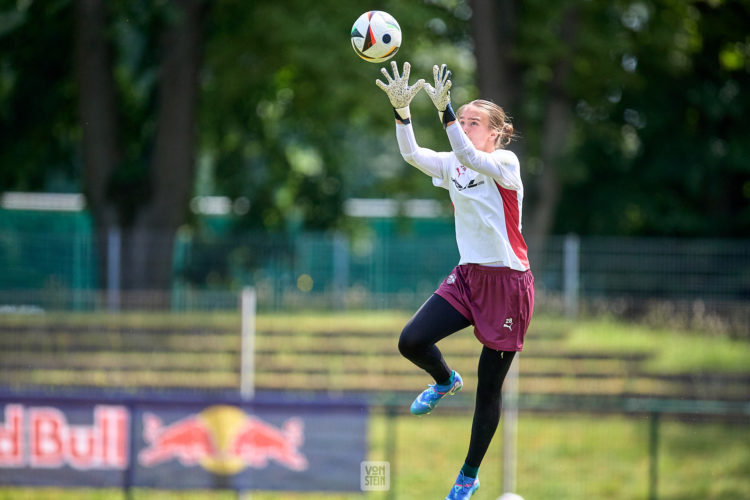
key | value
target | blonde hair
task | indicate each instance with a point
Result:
(498, 121)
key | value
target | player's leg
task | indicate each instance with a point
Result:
(493, 367)
(434, 321)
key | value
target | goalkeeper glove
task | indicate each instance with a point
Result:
(398, 90)
(441, 94)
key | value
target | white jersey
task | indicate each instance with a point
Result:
(486, 192)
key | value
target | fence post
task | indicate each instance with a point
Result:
(571, 251)
(129, 475)
(510, 426)
(653, 453)
(340, 270)
(391, 440)
(78, 281)
(247, 353)
(114, 243)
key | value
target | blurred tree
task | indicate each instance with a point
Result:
(98, 109)
(665, 151)
(38, 122)
(291, 119)
(630, 112)
(146, 194)
(538, 60)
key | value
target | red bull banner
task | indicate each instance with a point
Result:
(178, 444)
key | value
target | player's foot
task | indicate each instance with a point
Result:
(431, 396)
(464, 487)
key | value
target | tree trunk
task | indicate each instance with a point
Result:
(150, 245)
(98, 114)
(147, 246)
(495, 29)
(556, 132)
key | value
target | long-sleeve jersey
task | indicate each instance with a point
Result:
(486, 192)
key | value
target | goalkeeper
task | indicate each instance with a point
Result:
(492, 286)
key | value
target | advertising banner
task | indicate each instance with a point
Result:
(179, 444)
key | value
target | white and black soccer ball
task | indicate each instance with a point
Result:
(376, 36)
(510, 496)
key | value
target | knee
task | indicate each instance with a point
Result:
(408, 344)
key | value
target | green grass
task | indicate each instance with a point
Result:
(561, 457)
(359, 321)
(295, 321)
(671, 351)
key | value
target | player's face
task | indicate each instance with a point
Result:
(476, 125)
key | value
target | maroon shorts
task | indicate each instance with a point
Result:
(498, 301)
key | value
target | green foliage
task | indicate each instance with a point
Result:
(290, 120)
(663, 150)
(38, 127)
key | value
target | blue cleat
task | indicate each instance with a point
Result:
(431, 396)
(465, 487)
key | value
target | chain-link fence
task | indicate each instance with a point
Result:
(383, 264)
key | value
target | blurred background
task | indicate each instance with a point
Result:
(171, 132)
(164, 155)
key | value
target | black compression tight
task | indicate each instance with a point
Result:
(434, 321)
(493, 366)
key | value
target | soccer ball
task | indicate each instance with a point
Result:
(376, 36)
(510, 496)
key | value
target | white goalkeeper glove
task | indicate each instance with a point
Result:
(398, 90)
(441, 94)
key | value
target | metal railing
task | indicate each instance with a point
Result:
(696, 280)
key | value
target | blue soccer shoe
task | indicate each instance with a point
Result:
(464, 487)
(431, 396)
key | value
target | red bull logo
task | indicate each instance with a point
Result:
(42, 437)
(223, 440)
(79, 442)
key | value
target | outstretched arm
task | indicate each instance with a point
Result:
(501, 165)
(400, 94)
(426, 160)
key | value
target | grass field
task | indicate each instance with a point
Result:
(560, 455)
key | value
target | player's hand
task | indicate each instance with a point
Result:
(398, 90)
(440, 94)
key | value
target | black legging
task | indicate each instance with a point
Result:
(434, 321)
